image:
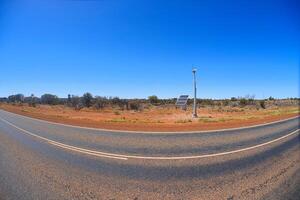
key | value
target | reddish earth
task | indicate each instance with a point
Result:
(156, 118)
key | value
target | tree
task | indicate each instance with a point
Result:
(75, 101)
(243, 102)
(153, 99)
(87, 99)
(69, 102)
(116, 101)
(3, 99)
(49, 99)
(271, 98)
(226, 102)
(134, 105)
(16, 98)
(32, 101)
(100, 102)
(11, 98)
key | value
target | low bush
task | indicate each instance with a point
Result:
(117, 112)
(262, 104)
(183, 121)
(243, 102)
(49, 99)
(153, 99)
(100, 102)
(134, 105)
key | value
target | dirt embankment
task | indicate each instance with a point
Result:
(156, 118)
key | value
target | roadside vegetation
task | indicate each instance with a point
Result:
(87, 100)
(152, 113)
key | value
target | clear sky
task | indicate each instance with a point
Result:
(130, 48)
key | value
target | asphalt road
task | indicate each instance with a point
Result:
(42, 160)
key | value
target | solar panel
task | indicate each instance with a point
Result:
(182, 101)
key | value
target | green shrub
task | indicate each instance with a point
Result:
(100, 102)
(49, 99)
(153, 99)
(271, 98)
(262, 104)
(243, 102)
(134, 105)
(226, 102)
(87, 99)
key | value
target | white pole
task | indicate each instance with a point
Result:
(195, 95)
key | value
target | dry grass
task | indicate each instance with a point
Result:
(157, 118)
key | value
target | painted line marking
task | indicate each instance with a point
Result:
(152, 132)
(126, 157)
(65, 146)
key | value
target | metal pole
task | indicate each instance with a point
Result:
(195, 95)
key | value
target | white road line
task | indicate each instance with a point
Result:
(72, 148)
(151, 132)
(126, 157)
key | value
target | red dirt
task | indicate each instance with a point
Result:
(154, 119)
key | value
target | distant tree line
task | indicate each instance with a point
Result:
(100, 102)
(78, 102)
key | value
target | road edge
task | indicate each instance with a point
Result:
(153, 132)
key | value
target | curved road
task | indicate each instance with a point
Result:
(43, 160)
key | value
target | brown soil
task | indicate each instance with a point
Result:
(156, 118)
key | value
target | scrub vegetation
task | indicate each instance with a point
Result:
(151, 114)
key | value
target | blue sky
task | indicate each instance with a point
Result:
(139, 48)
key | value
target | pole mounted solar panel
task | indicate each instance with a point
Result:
(182, 101)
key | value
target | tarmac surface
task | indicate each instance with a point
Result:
(44, 160)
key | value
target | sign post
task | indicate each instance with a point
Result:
(195, 95)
